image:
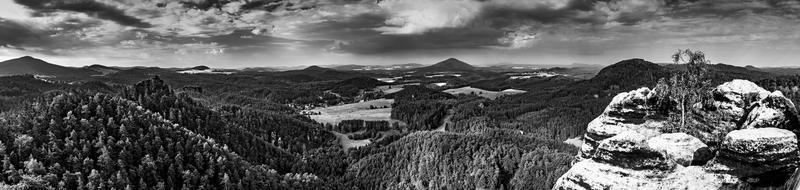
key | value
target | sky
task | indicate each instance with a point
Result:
(270, 33)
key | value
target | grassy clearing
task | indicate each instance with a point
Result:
(388, 89)
(373, 110)
(348, 143)
(483, 93)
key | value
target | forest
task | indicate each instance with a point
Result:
(150, 128)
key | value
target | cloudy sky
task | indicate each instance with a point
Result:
(252, 33)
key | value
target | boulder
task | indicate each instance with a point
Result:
(681, 148)
(588, 174)
(626, 112)
(750, 152)
(730, 102)
(773, 111)
(738, 91)
(630, 106)
(629, 150)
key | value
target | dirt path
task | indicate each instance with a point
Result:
(446, 121)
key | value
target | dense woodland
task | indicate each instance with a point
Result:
(152, 128)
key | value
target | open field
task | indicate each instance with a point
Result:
(483, 93)
(361, 110)
(348, 143)
(388, 89)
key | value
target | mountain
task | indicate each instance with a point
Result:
(30, 65)
(450, 64)
(624, 75)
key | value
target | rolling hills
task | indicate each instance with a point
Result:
(30, 65)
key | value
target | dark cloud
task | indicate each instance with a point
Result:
(575, 11)
(89, 7)
(447, 38)
(15, 34)
(62, 35)
(345, 29)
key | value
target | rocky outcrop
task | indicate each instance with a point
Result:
(738, 92)
(589, 174)
(626, 112)
(682, 148)
(629, 150)
(730, 103)
(746, 137)
(773, 111)
(749, 152)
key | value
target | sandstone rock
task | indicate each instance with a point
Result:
(698, 178)
(577, 141)
(626, 112)
(736, 92)
(589, 174)
(728, 108)
(773, 111)
(629, 106)
(750, 152)
(749, 129)
(629, 150)
(681, 148)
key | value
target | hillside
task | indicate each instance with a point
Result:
(30, 65)
(352, 86)
(103, 70)
(316, 73)
(440, 160)
(450, 64)
(722, 72)
(119, 145)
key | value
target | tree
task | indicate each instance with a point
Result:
(33, 166)
(688, 87)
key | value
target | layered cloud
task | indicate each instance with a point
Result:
(149, 29)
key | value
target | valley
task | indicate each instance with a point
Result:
(399, 94)
(332, 128)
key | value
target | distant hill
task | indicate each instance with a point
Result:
(102, 69)
(315, 68)
(377, 67)
(201, 67)
(624, 75)
(415, 92)
(317, 73)
(450, 64)
(723, 72)
(352, 86)
(631, 73)
(30, 65)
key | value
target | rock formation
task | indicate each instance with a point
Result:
(744, 138)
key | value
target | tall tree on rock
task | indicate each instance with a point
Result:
(687, 87)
